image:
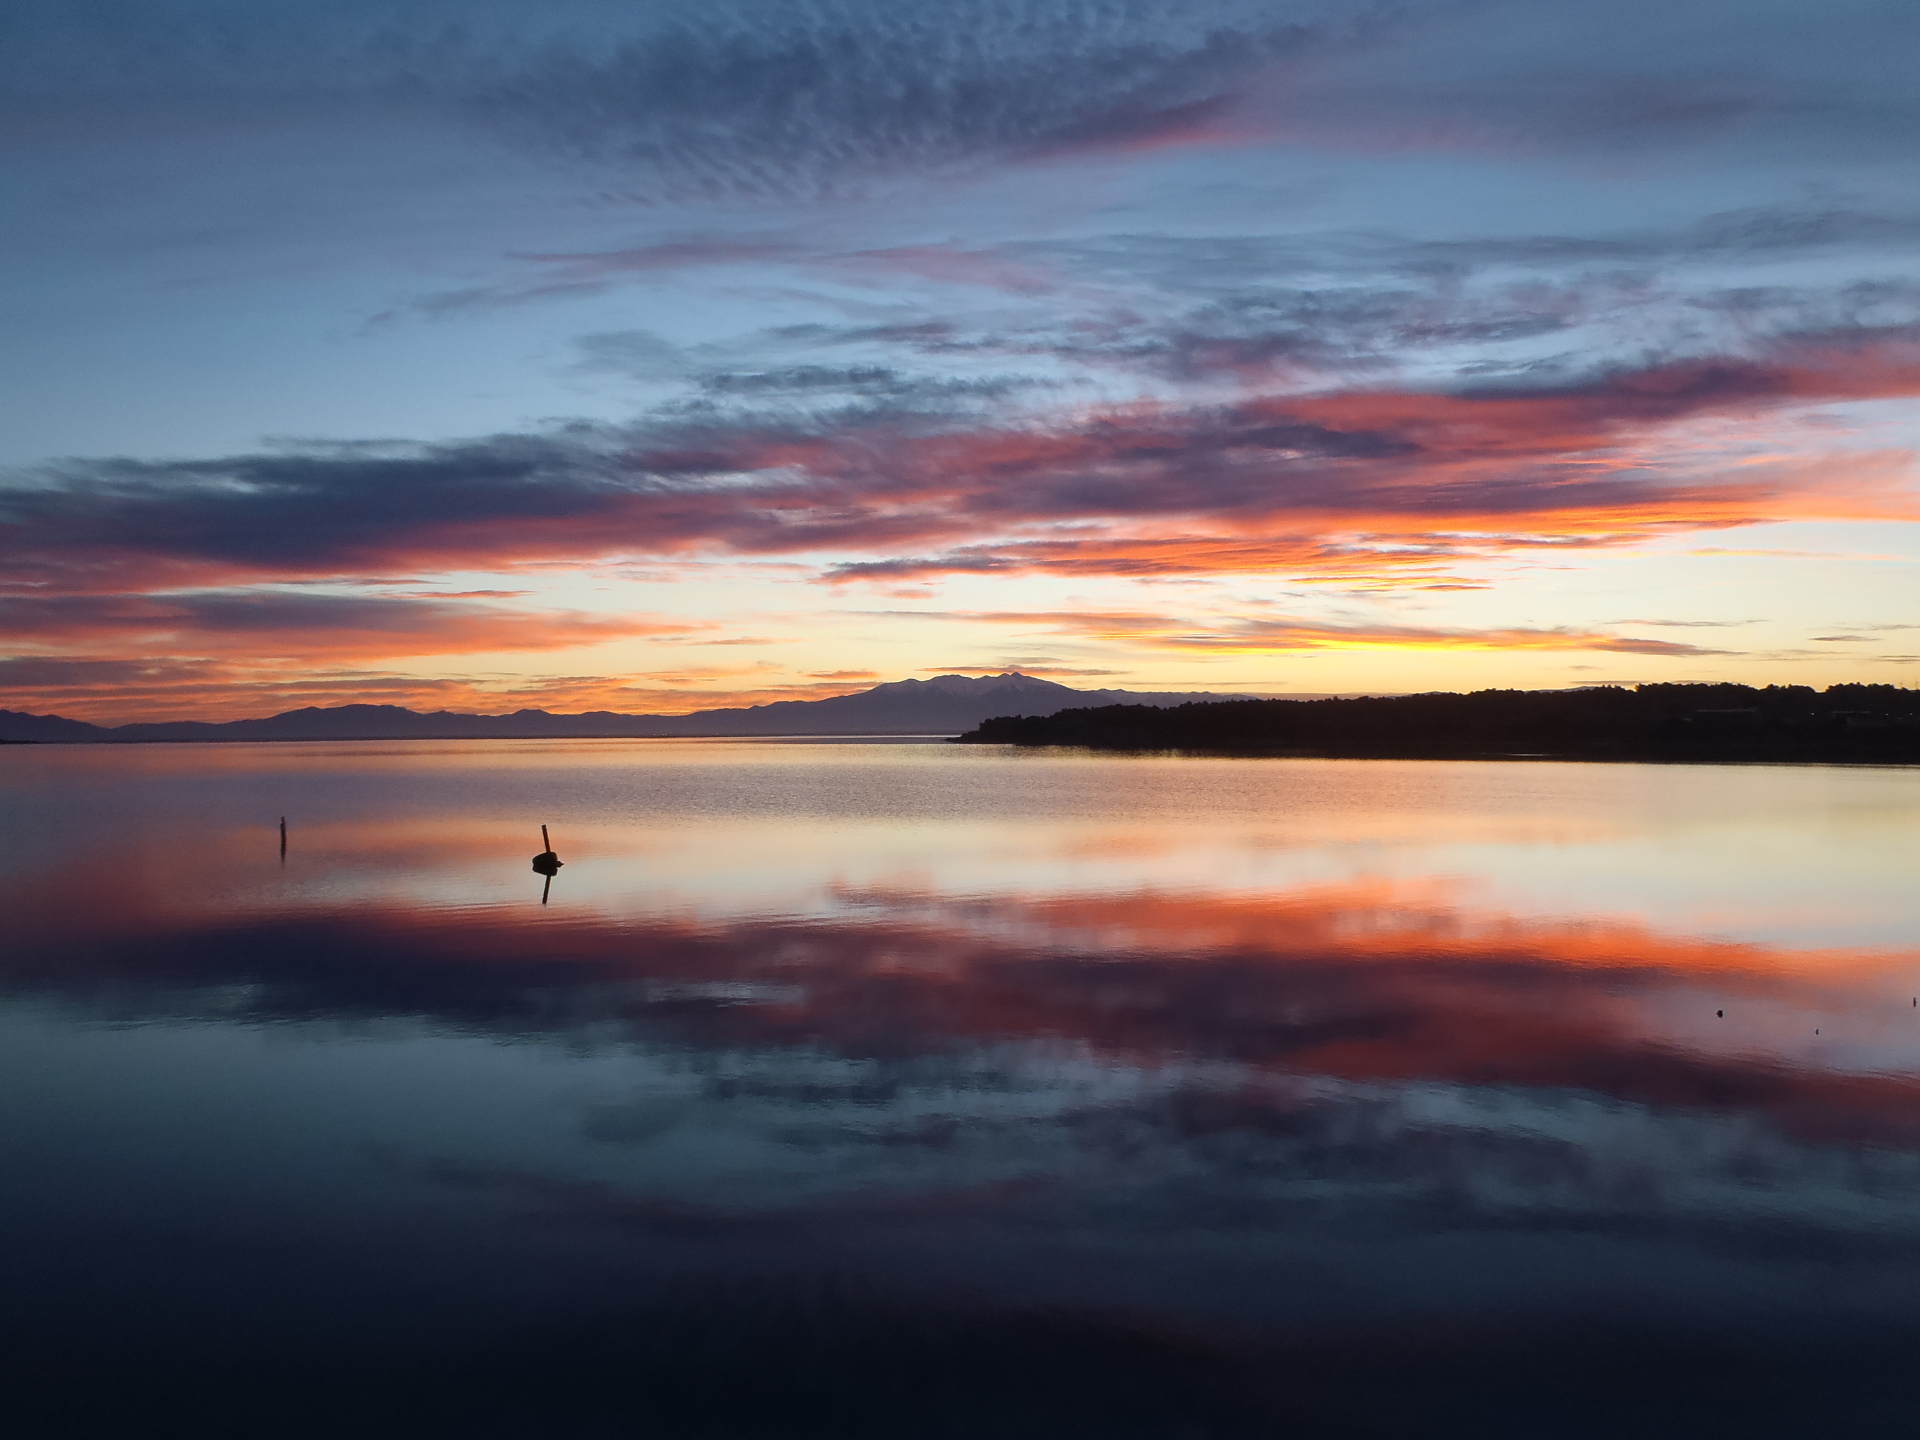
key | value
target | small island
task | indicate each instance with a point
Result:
(1844, 724)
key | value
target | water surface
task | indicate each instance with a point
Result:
(901, 1089)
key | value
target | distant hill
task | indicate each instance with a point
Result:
(17, 728)
(1872, 724)
(945, 705)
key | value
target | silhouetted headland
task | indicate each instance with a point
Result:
(1857, 724)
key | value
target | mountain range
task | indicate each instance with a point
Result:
(944, 705)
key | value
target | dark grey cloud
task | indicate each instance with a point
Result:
(273, 622)
(220, 612)
(762, 98)
(1179, 308)
(48, 672)
(856, 379)
(867, 388)
(1481, 326)
(703, 98)
(326, 505)
(801, 102)
(1352, 328)
(922, 393)
(1226, 263)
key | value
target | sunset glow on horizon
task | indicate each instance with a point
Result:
(659, 358)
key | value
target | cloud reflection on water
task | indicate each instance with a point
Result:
(1450, 1046)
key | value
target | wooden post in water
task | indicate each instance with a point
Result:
(283, 837)
(546, 845)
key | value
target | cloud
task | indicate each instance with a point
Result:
(1691, 624)
(922, 393)
(1261, 635)
(1361, 482)
(1474, 320)
(1232, 263)
(1024, 666)
(1390, 561)
(1321, 311)
(570, 276)
(813, 101)
(954, 265)
(694, 102)
(560, 275)
(303, 626)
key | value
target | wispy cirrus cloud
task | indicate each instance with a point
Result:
(742, 98)
(810, 99)
(1466, 314)
(1264, 634)
(1024, 665)
(534, 277)
(1324, 311)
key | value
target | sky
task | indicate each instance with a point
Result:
(660, 356)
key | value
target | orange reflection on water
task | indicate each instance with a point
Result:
(1365, 982)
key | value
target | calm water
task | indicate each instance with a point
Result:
(911, 1089)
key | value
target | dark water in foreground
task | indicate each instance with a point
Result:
(899, 1090)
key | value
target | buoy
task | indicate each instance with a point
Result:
(546, 862)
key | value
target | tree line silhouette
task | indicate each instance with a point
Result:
(1720, 722)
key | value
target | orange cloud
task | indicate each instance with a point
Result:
(1269, 634)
